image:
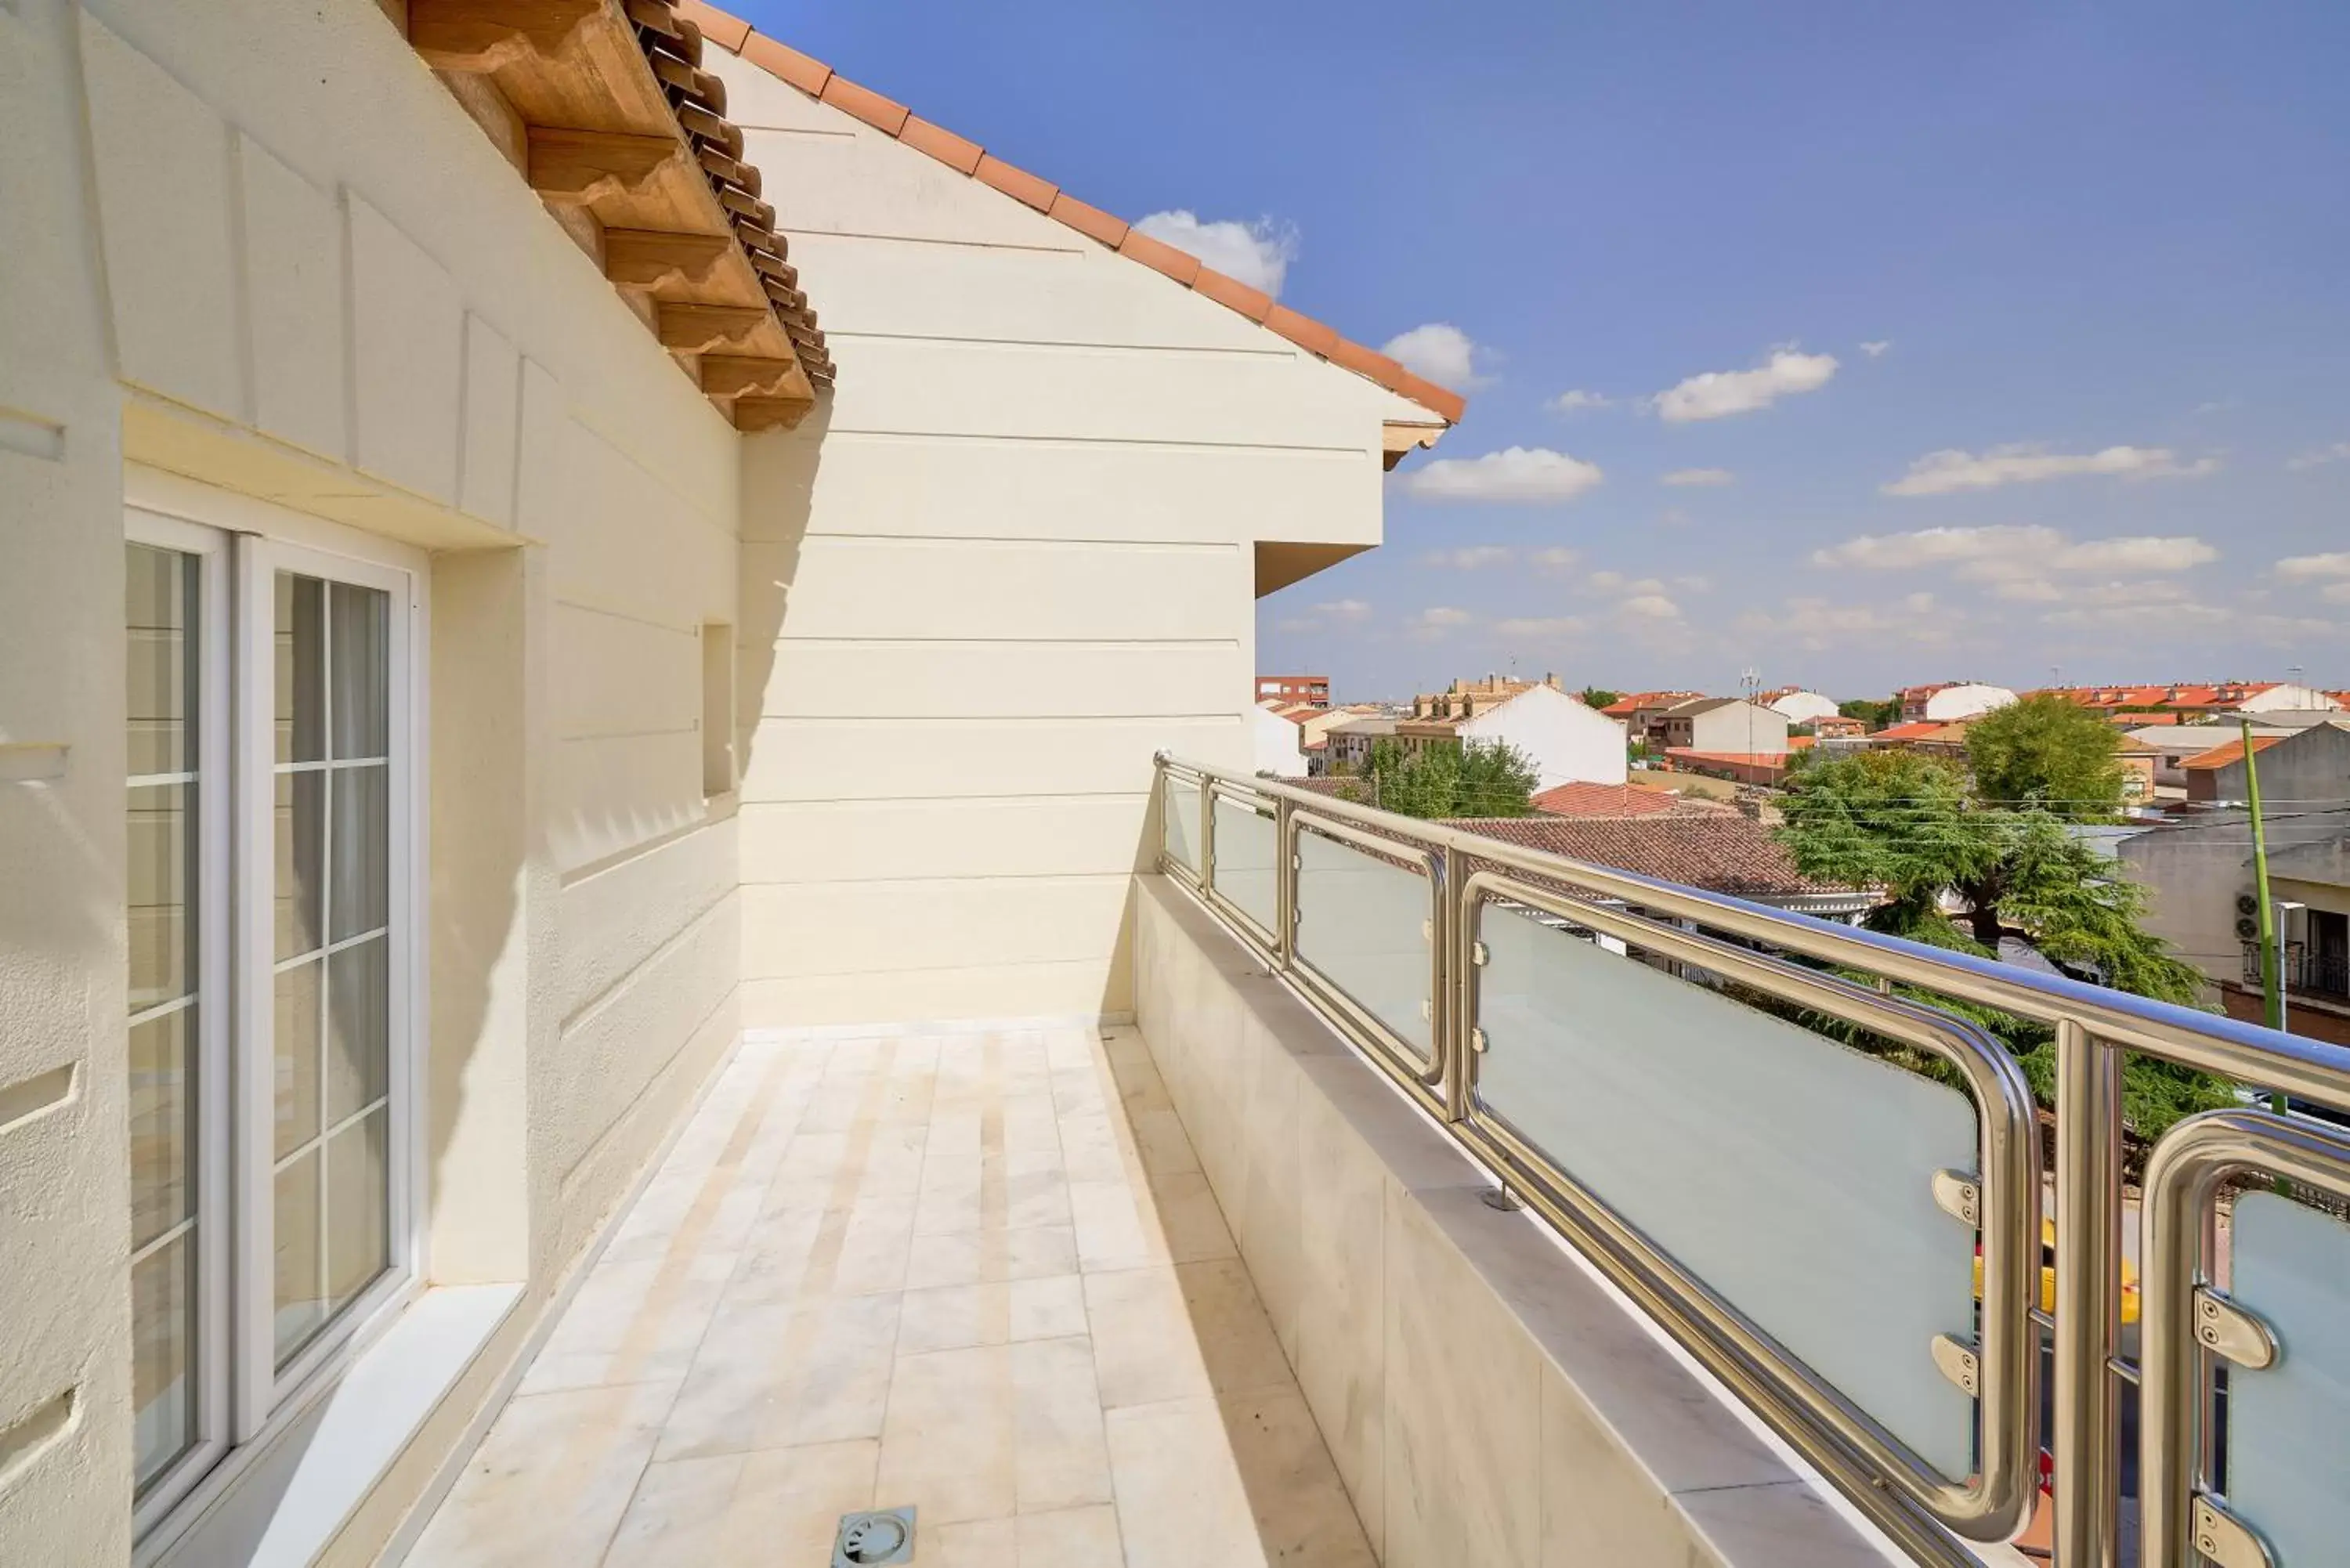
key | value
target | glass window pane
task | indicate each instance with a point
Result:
(2291, 1265)
(357, 1228)
(362, 624)
(1792, 1174)
(300, 1289)
(159, 588)
(162, 1355)
(1362, 924)
(358, 1028)
(1183, 823)
(300, 833)
(161, 885)
(294, 1050)
(301, 675)
(1244, 857)
(162, 1123)
(361, 897)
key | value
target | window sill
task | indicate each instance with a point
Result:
(280, 1500)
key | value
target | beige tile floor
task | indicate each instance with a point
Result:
(936, 1269)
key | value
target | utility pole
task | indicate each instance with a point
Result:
(2272, 957)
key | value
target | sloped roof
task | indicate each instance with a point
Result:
(2232, 751)
(1723, 853)
(1920, 730)
(1611, 800)
(821, 82)
(1632, 701)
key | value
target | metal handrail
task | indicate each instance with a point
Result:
(2093, 1028)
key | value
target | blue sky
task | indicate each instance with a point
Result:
(2102, 255)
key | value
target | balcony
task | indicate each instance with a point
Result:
(1448, 1201)
(2326, 976)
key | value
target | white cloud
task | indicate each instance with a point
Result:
(1470, 557)
(1877, 349)
(1516, 473)
(1651, 606)
(2317, 457)
(1613, 582)
(1720, 393)
(1816, 624)
(1327, 615)
(1576, 401)
(2040, 591)
(2009, 552)
(1435, 621)
(1947, 472)
(1554, 558)
(2312, 568)
(1699, 476)
(1541, 628)
(1442, 352)
(1257, 254)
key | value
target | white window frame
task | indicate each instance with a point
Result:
(212, 1209)
(244, 1401)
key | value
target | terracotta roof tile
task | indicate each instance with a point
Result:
(2220, 756)
(726, 32)
(1090, 222)
(783, 61)
(819, 80)
(882, 114)
(1016, 182)
(1232, 293)
(942, 144)
(1181, 266)
(1607, 800)
(1723, 853)
(1302, 331)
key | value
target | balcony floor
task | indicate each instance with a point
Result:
(976, 1272)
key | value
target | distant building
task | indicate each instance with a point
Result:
(1720, 724)
(1566, 742)
(1722, 852)
(1948, 700)
(1923, 735)
(1834, 726)
(2308, 767)
(1346, 746)
(1635, 708)
(1311, 690)
(1618, 800)
(2201, 700)
(1767, 770)
(1801, 707)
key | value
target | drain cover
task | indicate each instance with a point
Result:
(879, 1535)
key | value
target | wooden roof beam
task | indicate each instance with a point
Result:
(477, 36)
(699, 328)
(576, 167)
(734, 375)
(756, 414)
(645, 258)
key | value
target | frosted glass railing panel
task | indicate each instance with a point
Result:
(1245, 852)
(2285, 1424)
(1182, 809)
(1792, 1175)
(1361, 924)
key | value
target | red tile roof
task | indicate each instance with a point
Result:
(1918, 729)
(819, 80)
(1724, 853)
(1632, 701)
(1607, 800)
(2232, 751)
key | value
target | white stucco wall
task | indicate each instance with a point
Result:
(1802, 707)
(1965, 700)
(1741, 727)
(1569, 743)
(1277, 744)
(1009, 560)
(255, 243)
(2288, 697)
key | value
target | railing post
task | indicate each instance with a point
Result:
(1453, 1010)
(1207, 833)
(1285, 884)
(2088, 1273)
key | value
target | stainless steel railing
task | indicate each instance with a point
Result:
(1922, 1510)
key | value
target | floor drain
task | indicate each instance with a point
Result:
(878, 1535)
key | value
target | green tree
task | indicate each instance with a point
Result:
(1477, 778)
(1906, 822)
(1600, 697)
(1874, 714)
(2051, 752)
